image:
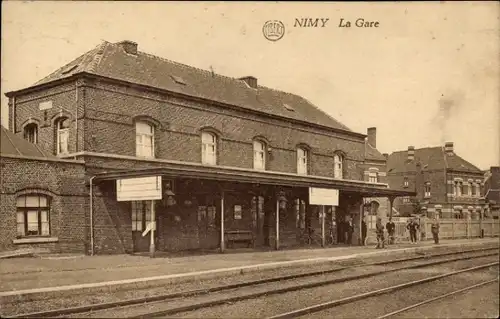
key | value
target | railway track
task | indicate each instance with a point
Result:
(351, 299)
(442, 296)
(230, 293)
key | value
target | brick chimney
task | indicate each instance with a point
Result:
(448, 148)
(411, 153)
(372, 136)
(250, 80)
(129, 46)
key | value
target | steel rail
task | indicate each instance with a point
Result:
(190, 293)
(437, 298)
(335, 303)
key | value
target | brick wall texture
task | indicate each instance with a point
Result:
(63, 183)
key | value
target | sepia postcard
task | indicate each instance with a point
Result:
(250, 159)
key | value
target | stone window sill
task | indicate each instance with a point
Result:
(35, 240)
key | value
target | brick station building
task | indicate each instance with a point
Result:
(233, 159)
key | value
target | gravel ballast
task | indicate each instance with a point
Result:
(273, 304)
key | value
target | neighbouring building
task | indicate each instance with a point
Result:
(445, 183)
(492, 191)
(43, 198)
(232, 160)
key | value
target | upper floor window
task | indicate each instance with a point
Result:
(338, 169)
(302, 161)
(458, 189)
(477, 190)
(33, 215)
(144, 139)
(208, 148)
(62, 135)
(405, 182)
(373, 175)
(31, 133)
(427, 189)
(471, 189)
(259, 155)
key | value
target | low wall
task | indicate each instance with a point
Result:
(448, 229)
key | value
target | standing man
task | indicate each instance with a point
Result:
(379, 228)
(363, 231)
(435, 230)
(391, 228)
(349, 230)
(412, 227)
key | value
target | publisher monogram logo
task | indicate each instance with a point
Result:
(273, 30)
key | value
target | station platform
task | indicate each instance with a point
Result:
(58, 273)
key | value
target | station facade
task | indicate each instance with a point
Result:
(178, 158)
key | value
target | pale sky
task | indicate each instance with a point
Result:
(428, 74)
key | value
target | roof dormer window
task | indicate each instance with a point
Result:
(178, 79)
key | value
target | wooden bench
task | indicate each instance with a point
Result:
(239, 236)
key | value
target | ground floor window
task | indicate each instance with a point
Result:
(257, 209)
(458, 214)
(300, 213)
(33, 215)
(141, 215)
(208, 214)
(371, 219)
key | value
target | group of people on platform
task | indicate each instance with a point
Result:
(346, 229)
(412, 226)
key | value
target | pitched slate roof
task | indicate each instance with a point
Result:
(111, 60)
(492, 185)
(11, 144)
(372, 153)
(430, 158)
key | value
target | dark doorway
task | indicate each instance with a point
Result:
(209, 221)
(141, 217)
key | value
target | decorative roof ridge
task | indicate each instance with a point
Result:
(98, 56)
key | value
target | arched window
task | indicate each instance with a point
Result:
(208, 148)
(427, 189)
(62, 135)
(144, 140)
(31, 133)
(302, 155)
(33, 218)
(338, 166)
(259, 155)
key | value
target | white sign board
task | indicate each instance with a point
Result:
(323, 196)
(139, 188)
(45, 105)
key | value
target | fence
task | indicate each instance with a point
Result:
(448, 229)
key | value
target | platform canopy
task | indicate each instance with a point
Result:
(239, 175)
